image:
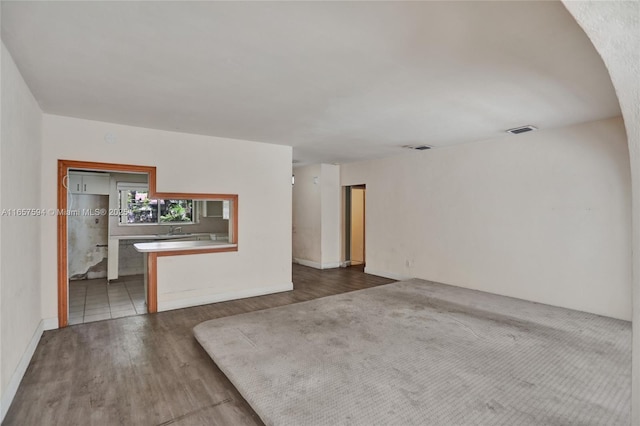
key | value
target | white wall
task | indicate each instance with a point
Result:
(331, 207)
(3, 409)
(3, 402)
(259, 173)
(543, 216)
(307, 215)
(614, 29)
(317, 216)
(20, 308)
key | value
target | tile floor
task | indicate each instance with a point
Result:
(95, 300)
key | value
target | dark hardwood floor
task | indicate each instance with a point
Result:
(149, 369)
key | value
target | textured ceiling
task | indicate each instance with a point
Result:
(338, 81)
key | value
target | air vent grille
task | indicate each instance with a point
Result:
(417, 147)
(522, 129)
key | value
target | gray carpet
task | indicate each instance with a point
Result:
(420, 353)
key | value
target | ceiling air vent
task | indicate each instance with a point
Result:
(417, 147)
(523, 129)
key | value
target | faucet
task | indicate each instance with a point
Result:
(175, 229)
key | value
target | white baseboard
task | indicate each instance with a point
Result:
(220, 297)
(317, 265)
(50, 323)
(18, 374)
(308, 263)
(390, 275)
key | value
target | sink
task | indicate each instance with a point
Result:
(178, 235)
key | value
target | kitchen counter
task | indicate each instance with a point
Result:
(206, 240)
(181, 245)
(168, 236)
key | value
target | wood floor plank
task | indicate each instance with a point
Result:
(149, 369)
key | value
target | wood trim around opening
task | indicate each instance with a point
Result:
(152, 261)
(152, 282)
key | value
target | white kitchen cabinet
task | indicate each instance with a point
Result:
(212, 208)
(75, 183)
(216, 208)
(113, 254)
(88, 183)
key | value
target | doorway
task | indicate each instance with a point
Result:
(355, 229)
(95, 248)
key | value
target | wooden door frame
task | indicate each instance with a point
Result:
(347, 226)
(348, 206)
(364, 226)
(152, 263)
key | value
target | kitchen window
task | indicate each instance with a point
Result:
(137, 208)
